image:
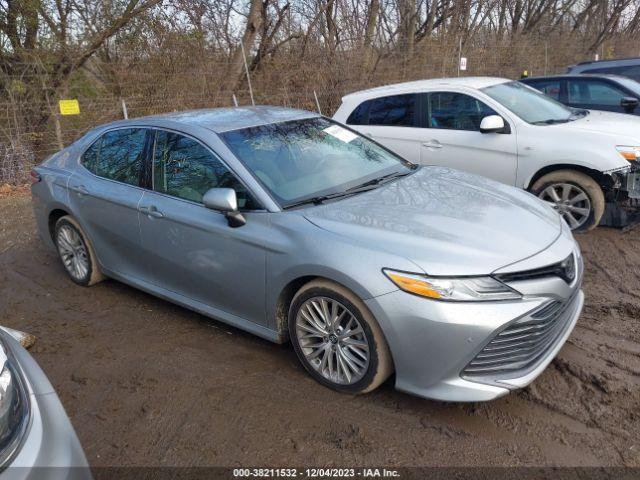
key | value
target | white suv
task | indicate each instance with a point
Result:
(575, 159)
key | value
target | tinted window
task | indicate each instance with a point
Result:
(632, 71)
(456, 111)
(397, 110)
(117, 155)
(548, 87)
(594, 92)
(359, 115)
(185, 169)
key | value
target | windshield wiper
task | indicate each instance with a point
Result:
(551, 121)
(321, 198)
(370, 185)
(378, 181)
(579, 113)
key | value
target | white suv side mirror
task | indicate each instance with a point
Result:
(492, 124)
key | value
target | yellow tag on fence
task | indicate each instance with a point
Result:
(69, 107)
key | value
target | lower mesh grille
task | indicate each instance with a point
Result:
(524, 342)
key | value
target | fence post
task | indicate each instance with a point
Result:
(246, 69)
(459, 55)
(317, 102)
(58, 128)
(546, 57)
(125, 114)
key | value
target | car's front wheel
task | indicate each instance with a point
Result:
(76, 253)
(337, 339)
(575, 195)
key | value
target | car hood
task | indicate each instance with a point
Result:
(619, 125)
(445, 221)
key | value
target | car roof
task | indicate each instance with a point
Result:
(470, 82)
(577, 75)
(607, 63)
(221, 120)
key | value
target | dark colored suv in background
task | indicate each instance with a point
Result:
(612, 93)
(627, 67)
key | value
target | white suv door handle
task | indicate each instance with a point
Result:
(432, 144)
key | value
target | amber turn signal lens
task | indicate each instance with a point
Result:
(413, 285)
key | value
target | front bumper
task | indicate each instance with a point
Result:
(50, 448)
(432, 342)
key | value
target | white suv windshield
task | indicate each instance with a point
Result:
(303, 160)
(529, 104)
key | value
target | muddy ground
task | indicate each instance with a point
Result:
(149, 383)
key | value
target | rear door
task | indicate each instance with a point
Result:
(453, 138)
(104, 196)
(553, 87)
(394, 121)
(191, 249)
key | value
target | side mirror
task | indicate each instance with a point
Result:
(492, 124)
(225, 200)
(629, 104)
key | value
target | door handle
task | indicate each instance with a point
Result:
(151, 211)
(80, 190)
(433, 144)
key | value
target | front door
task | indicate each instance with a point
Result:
(595, 94)
(453, 138)
(192, 250)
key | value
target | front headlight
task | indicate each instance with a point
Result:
(470, 289)
(631, 154)
(14, 407)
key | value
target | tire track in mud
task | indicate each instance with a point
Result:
(149, 383)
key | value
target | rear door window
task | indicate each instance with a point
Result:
(359, 115)
(548, 87)
(395, 110)
(117, 155)
(456, 111)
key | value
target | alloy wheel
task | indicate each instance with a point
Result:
(73, 252)
(332, 340)
(570, 201)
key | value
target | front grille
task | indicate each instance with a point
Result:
(565, 269)
(524, 342)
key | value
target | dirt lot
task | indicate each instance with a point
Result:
(149, 383)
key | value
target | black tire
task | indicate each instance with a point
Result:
(583, 182)
(92, 274)
(380, 364)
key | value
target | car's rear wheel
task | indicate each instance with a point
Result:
(76, 253)
(575, 195)
(337, 339)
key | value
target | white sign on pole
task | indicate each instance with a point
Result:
(463, 63)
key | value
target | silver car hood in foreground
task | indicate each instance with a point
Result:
(445, 221)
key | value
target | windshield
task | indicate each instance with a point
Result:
(630, 84)
(529, 104)
(305, 159)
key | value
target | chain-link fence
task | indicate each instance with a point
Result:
(30, 130)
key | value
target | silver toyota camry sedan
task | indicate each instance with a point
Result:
(294, 227)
